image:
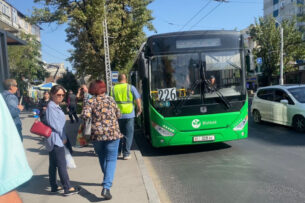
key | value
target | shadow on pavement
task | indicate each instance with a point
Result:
(40, 151)
(148, 150)
(39, 184)
(275, 133)
(89, 196)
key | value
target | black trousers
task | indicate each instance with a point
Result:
(72, 111)
(57, 160)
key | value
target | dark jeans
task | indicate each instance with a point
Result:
(19, 128)
(127, 129)
(57, 160)
(72, 111)
(107, 152)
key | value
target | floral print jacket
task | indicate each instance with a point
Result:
(104, 113)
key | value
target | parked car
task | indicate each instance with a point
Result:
(281, 104)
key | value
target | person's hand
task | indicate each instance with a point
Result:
(20, 107)
(139, 112)
(44, 108)
(64, 141)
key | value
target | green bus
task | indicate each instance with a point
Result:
(193, 86)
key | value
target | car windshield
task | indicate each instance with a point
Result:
(298, 93)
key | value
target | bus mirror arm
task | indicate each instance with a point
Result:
(143, 66)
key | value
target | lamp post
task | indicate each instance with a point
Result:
(281, 81)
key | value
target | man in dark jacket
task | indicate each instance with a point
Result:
(10, 89)
(72, 103)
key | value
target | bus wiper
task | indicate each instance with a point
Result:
(208, 84)
(182, 102)
(220, 95)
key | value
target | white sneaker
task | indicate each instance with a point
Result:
(127, 157)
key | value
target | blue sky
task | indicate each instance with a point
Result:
(170, 16)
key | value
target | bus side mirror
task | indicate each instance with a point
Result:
(249, 60)
(143, 66)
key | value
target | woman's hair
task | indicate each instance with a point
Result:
(8, 83)
(46, 92)
(56, 88)
(97, 87)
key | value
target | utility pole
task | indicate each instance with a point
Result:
(282, 57)
(281, 80)
(107, 56)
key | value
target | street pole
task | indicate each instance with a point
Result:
(282, 57)
(281, 81)
(107, 55)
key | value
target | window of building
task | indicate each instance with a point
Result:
(37, 31)
(275, 13)
(6, 10)
(14, 15)
(275, 2)
(33, 30)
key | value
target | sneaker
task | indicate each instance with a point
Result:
(119, 155)
(57, 189)
(127, 157)
(106, 193)
(72, 192)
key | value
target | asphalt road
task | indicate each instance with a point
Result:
(268, 166)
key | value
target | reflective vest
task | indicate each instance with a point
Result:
(123, 97)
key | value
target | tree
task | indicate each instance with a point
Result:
(266, 34)
(69, 82)
(126, 20)
(25, 61)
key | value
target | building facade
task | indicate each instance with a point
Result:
(13, 21)
(283, 9)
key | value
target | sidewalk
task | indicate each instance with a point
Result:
(131, 182)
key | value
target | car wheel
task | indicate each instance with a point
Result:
(256, 116)
(299, 123)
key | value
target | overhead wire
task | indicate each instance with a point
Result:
(194, 16)
(49, 54)
(201, 19)
(59, 52)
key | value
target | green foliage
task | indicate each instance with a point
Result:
(267, 36)
(125, 18)
(69, 82)
(25, 61)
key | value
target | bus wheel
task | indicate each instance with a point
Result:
(256, 116)
(299, 123)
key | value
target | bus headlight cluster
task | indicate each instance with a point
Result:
(161, 130)
(242, 124)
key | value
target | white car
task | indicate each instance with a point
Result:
(281, 104)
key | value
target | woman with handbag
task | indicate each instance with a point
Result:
(105, 132)
(56, 119)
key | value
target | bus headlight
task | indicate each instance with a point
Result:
(241, 125)
(161, 130)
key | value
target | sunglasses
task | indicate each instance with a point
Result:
(60, 95)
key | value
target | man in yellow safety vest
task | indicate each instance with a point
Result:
(124, 94)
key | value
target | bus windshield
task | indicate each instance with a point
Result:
(180, 76)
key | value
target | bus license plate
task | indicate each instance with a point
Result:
(204, 138)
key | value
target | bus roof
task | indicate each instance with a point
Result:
(195, 32)
(189, 41)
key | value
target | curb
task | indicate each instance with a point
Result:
(151, 191)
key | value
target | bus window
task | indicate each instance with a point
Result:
(174, 71)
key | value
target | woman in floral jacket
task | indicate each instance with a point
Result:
(105, 131)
